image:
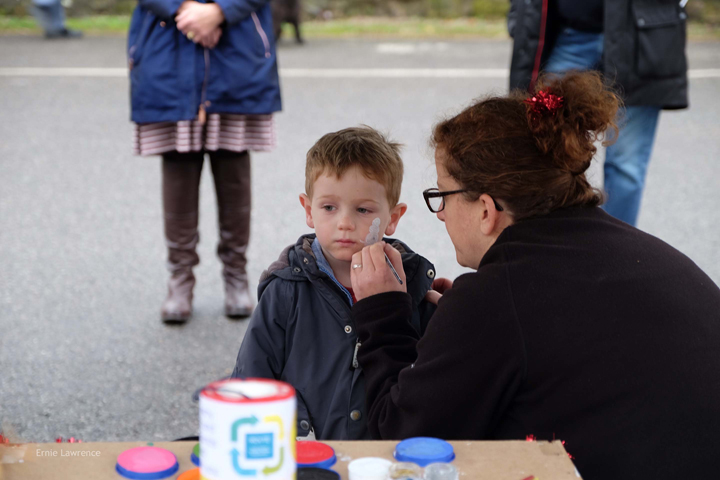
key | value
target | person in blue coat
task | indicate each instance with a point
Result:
(203, 79)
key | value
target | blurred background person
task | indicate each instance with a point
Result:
(638, 45)
(204, 80)
(50, 14)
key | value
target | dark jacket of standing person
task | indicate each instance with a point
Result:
(170, 77)
(644, 47)
(575, 326)
(301, 333)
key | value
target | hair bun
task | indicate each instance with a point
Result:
(568, 113)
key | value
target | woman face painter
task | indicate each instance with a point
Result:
(574, 325)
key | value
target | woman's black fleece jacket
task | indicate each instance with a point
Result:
(576, 326)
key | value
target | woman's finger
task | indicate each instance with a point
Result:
(433, 296)
(442, 284)
(396, 259)
(368, 266)
(355, 268)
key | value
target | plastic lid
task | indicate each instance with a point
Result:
(193, 474)
(369, 468)
(248, 390)
(441, 471)
(195, 455)
(146, 463)
(424, 450)
(313, 473)
(315, 454)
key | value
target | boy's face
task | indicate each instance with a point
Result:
(343, 209)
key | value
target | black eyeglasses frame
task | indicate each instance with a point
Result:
(435, 193)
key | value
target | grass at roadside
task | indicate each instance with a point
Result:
(354, 27)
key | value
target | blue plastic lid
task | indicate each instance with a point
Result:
(147, 476)
(424, 451)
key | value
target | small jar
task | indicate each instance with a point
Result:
(405, 471)
(441, 471)
(369, 468)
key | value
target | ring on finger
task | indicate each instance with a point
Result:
(357, 265)
(190, 35)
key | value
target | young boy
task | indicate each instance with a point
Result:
(301, 331)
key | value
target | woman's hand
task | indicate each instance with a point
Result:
(374, 276)
(198, 21)
(439, 286)
(212, 39)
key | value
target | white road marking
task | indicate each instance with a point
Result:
(349, 73)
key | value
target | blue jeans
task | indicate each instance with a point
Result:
(626, 161)
(50, 14)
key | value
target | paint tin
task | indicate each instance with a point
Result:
(315, 454)
(247, 430)
(441, 471)
(312, 473)
(147, 463)
(369, 468)
(193, 474)
(405, 471)
(424, 451)
(195, 455)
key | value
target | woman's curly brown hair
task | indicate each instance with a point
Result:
(533, 164)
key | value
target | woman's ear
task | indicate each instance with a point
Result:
(306, 203)
(489, 216)
(395, 214)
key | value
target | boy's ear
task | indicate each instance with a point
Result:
(395, 213)
(306, 202)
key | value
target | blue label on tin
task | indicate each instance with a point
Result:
(259, 445)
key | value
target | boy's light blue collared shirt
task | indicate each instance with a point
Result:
(324, 266)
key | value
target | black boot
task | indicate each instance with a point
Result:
(181, 183)
(231, 172)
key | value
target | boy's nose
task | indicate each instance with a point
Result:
(346, 223)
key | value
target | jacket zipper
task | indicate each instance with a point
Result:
(262, 34)
(355, 363)
(541, 46)
(203, 95)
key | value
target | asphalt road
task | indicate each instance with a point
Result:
(82, 350)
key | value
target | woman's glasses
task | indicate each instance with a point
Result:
(435, 199)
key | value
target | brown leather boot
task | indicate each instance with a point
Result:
(231, 172)
(181, 182)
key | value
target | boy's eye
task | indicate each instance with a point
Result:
(328, 208)
(363, 210)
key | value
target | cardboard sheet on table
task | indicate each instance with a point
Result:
(510, 460)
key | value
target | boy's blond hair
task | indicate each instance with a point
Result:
(364, 147)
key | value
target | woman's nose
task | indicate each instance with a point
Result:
(441, 215)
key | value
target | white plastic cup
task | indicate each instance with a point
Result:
(441, 471)
(369, 468)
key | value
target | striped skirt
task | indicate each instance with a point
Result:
(221, 131)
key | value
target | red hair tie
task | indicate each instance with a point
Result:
(543, 103)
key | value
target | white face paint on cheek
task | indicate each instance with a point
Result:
(374, 234)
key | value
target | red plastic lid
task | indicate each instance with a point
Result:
(248, 390)
(310, 453)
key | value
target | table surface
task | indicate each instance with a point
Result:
(476, 460)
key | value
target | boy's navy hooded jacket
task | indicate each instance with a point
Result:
(171, 77)
(301, 333)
